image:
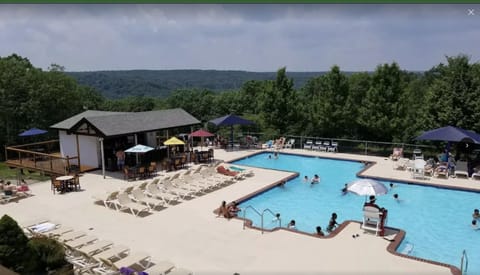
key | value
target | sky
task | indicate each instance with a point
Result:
(247, 37)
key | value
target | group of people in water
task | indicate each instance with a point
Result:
(315, 179)
(332, 224)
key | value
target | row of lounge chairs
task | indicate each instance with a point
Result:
(325, 146)
(421, 168)
(91, 255)
(163, 192)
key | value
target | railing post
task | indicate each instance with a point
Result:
(464, 259)
(366, 147)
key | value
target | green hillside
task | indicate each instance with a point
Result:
(160, 83)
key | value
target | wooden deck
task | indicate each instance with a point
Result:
(54, 167)
(32, 157)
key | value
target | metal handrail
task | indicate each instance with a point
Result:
(261, 216)
(245, 213)
(274, 215)
(464, 259)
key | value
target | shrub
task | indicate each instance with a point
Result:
(13, 244)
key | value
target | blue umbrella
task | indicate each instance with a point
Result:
(32, 132)
(451, 134)
(230, 120)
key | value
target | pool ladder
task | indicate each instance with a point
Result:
(464, 262)
(261, 215)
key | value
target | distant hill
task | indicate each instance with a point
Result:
(160, 83)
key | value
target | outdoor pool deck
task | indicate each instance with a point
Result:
(191, 236)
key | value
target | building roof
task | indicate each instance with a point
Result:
(122, 123)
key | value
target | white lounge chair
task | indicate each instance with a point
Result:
(125, 203)
(168, 187)
(160, 267)
(333, 147)
(95, 248)
(180, 271)
(290, 143)
(139, 196)
(108, 199)
(308, 145)
(83, 264)
(316, 145)
(114, 252)
(140, 258)
(71, 236)
(461, 169)
(476, 175)
(153, 190)
(79, 242)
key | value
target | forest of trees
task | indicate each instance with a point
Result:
(388, 104)
(160, 83)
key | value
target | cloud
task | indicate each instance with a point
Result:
(240, 37)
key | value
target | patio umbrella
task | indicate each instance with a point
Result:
(171, 142)
(230, 120)
(139, 148)
(367, 187)
(450, 134)
(202, 134)
(32, 132)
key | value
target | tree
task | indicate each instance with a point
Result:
(279, 104)
(452, 97)
(379, 111)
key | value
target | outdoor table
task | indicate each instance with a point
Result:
(65, 180)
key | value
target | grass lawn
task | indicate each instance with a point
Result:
(12, 174)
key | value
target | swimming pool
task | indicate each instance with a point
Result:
(436, 220)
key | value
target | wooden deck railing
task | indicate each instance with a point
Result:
(40, 157)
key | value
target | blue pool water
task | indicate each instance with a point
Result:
(436, 220)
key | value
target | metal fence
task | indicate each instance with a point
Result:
(353, 146)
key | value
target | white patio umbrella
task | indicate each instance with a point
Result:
(367, 187)
(139, 149)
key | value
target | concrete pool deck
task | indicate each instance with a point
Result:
(191, 236)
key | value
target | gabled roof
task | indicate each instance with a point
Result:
(69, 122)
(122, 123)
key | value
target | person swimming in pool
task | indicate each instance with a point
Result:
(332, 223)
(320, 232)
(316, 179)
(305, 179)
(345, 190)
(396, 198)
(291, 224)
(475, 225)
(476, 214)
